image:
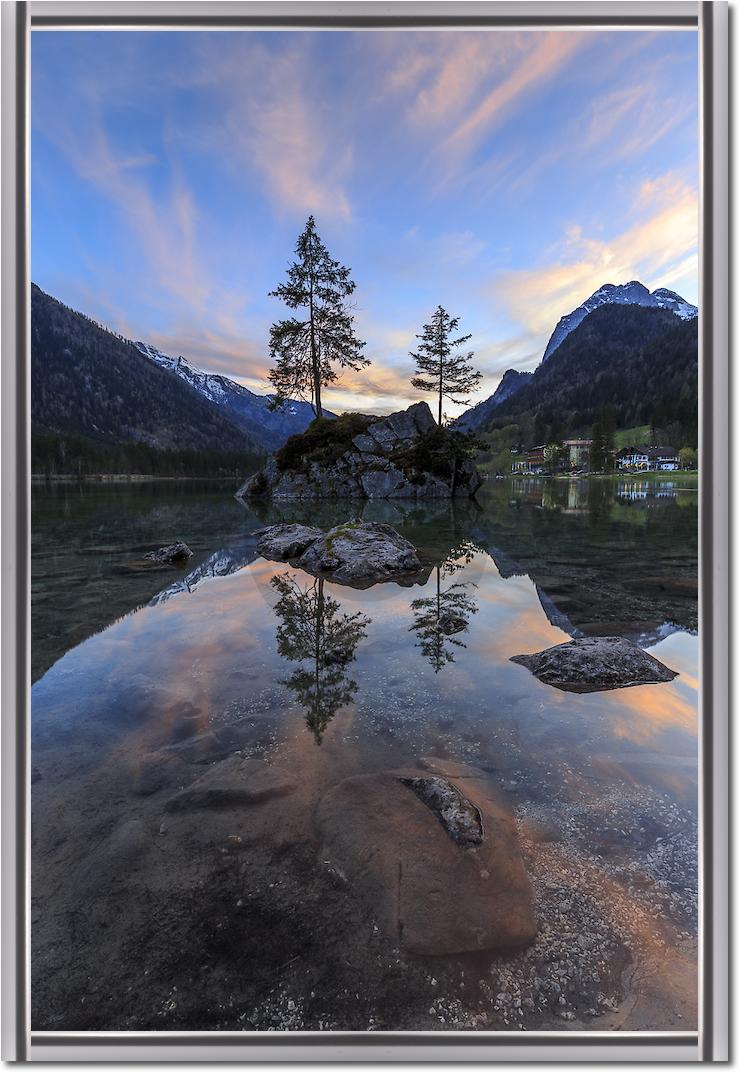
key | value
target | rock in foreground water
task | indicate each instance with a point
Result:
(283, 543)
(173, 552)
(595, 664)
(356, 553)
(436, 861)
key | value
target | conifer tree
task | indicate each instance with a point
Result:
(439, 367)
(306, 348)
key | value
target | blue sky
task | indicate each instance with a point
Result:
(505, 175)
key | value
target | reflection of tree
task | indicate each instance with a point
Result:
(440, 617)
(459, 556)
(312, 632)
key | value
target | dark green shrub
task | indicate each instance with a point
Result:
(439, 452)
(323, 441)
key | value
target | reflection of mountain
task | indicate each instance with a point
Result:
(88, 541)
(314, 634)
(601, 565)
(220, 564)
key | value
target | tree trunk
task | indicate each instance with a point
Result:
(314, 359)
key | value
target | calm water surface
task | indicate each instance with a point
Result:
(145, 918)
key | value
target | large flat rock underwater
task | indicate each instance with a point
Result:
(403, 456)
(435, 856)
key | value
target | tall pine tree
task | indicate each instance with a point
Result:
(306, 349)
(439, 367)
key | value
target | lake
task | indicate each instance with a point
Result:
(150, 916)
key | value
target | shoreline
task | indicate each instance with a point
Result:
(124, 478)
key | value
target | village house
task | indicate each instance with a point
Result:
(648, 459)
(663, 459)
(530, 461)
(632, 458)
(578, 452)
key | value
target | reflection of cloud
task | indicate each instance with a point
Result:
(644, 712)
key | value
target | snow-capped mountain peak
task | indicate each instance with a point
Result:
(631, 293)
(245, 408)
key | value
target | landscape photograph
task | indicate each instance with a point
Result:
(364, 531)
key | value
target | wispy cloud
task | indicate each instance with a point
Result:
(550, 52)
(278, 122)
(659, 248)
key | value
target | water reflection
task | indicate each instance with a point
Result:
(313, 633)
(438, 619)
(174, 688)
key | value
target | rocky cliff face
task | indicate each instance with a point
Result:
(403, 456)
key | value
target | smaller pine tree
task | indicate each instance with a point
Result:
(439, 367)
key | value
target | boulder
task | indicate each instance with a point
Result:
(230, 782)
(281, 543)
(173, 552)
(407, 423)
(435, 859)
(595, 664)
(356, 553)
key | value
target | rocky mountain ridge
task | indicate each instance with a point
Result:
(245, 408)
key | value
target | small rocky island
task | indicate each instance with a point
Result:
(404, 456)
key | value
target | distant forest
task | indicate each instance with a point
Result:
(97, 403)
(54, 455)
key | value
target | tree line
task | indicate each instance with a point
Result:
(54, 455)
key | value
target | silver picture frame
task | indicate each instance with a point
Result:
(711, 1042)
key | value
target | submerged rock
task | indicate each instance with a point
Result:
(459, 816)
(232, 781)
(595, 664)
(437, 861)
(355, 553)
(173, 552)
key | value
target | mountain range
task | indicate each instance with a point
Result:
(633, 293)
(126, 403)
(599, 355)
(243, 407)
(90, 383)
(639, 363)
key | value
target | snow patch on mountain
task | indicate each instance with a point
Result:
(245, 408)
(632, 293)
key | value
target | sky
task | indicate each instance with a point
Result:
(505, 175)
